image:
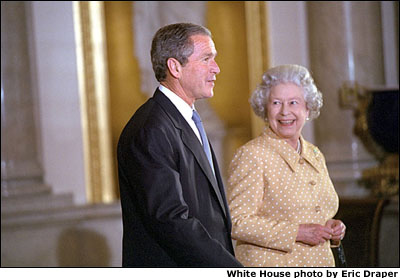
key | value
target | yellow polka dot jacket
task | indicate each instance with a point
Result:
(271, 190)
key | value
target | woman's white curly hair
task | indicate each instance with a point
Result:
(286, 74)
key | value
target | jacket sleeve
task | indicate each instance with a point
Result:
(154, 160)
(246, 191)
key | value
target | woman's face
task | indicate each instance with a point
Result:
(287, 111)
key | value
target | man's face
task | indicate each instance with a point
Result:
(199, 74)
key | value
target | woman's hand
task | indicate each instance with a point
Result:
(314, 234)
(338, 230)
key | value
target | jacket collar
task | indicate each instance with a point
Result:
(309, 152)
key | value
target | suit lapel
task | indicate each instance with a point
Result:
(199, 154)
(191, 142)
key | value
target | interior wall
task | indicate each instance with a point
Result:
(124, 73)
(54, 49)
(59, 112)
(289, 41)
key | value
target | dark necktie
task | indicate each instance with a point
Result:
(206, 145)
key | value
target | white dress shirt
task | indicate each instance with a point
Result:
(183, 108)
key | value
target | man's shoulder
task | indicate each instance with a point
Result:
(148, 116)
(149, 124)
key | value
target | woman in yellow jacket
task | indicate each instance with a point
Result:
(281, 198)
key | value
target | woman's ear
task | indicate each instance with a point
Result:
(174, 67)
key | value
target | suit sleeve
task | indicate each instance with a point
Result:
(246, 188)
(157, 183)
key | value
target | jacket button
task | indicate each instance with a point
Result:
(301, 161)
(313, 183)
(317, 208)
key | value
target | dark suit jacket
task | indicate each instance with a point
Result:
(174, 209)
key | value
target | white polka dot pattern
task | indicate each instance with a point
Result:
(271, 190)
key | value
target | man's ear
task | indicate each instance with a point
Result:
(174, 67)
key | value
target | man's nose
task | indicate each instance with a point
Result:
(215, 68)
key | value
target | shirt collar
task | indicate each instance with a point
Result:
(180, 104)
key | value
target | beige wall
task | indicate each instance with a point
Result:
(227, 22)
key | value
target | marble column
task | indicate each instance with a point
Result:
(21, 170)
(345, 45)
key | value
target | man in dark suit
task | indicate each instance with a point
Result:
(173, 201)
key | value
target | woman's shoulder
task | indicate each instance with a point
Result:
(257, 142)
(258, 145)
